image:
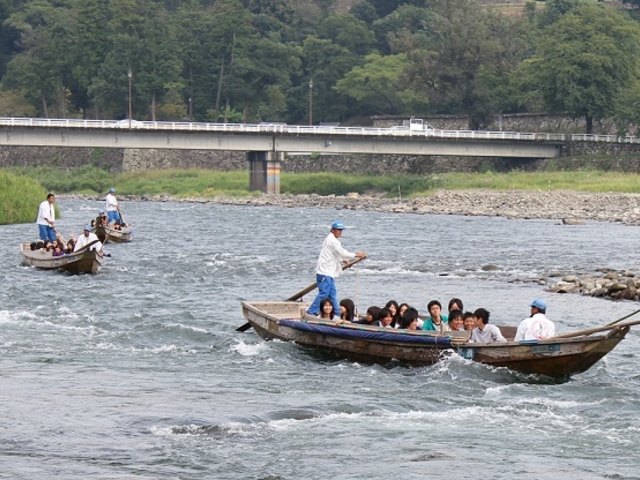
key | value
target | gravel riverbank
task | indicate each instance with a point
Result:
(565, 206)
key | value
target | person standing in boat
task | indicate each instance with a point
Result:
(484, 332)
(46, 219)
(329, 266)
(537, 326)
(113, 210)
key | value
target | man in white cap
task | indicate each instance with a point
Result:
(329, 266)
(86, 238)
(113, 210)
(537, 326)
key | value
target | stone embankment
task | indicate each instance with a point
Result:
(617, 285)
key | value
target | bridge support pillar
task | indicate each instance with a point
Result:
(264, 171)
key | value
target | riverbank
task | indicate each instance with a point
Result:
(565, 206)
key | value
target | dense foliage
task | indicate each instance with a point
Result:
(19, 198)
(280, 60)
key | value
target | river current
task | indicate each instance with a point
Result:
(138, 373)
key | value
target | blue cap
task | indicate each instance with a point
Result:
(87, 228)
(539, 303)
(101, 212)
(112, 190)
(337, 225)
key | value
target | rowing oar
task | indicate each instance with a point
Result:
(624, 318)
(121, 217)
(302, 293)
(86, 246)
(599, 329)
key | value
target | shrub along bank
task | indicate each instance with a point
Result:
(19, 198)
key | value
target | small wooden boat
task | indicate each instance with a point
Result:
(561, 356)
(116, 236)
(85, 261)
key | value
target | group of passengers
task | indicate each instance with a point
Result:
(404, 316)
(57, 247)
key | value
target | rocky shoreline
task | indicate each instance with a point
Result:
(569, 208)
(565, 206)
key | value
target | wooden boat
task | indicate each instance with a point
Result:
(561, 356)
(109, 234)
(85, 261)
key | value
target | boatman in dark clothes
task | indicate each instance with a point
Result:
(329, 266)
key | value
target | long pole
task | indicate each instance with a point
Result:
(130, 75)
(311, 102)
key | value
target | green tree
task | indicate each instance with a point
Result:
(381, 83)
(461, 57)
(584, 62)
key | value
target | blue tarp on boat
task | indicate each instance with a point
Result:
(345, 332)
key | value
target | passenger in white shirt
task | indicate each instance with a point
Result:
(329, 266)
(86, 238)
(46, 219)
(484, 332)
(537, 326)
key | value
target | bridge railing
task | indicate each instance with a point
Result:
(281, 128)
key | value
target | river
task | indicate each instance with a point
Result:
(138, 372)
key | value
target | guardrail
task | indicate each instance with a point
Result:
(396, 131)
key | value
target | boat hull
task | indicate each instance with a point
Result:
(560, 357)
(118, 236)
(87, 261)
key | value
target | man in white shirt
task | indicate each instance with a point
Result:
(329, 266)
(46, 219)
(537, 326)
(485, 332)
(113, 210)
(86, 238)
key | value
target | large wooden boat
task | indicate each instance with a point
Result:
(118, 236)
(85, 261)
(561, 356)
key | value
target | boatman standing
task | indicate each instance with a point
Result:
(329, 266)
(46, 219)
(113, 211)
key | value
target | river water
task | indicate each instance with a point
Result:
(138, 372)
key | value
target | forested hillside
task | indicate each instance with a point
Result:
(277, 60)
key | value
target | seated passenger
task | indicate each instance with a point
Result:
(409, 320)
(371, 317)
(326, 309)
(402, 309)
(33, 246)
(392, 306)
(57, 251)
(385, 318)
(455, 304)
(436, 321)
(469, 321)
(347, 310)
(456, 322)
(71, 243)
(485, 333)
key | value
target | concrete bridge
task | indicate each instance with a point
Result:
(265, 143)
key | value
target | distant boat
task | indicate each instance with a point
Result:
(559, 357)
(109, 234)
(85, 261)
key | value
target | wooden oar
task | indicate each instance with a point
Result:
(302, 293)
(121, 217)
(624, 318)
(596, 330)
(86, 246)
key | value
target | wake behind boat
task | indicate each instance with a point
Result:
(84, 261)
(560, 356)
